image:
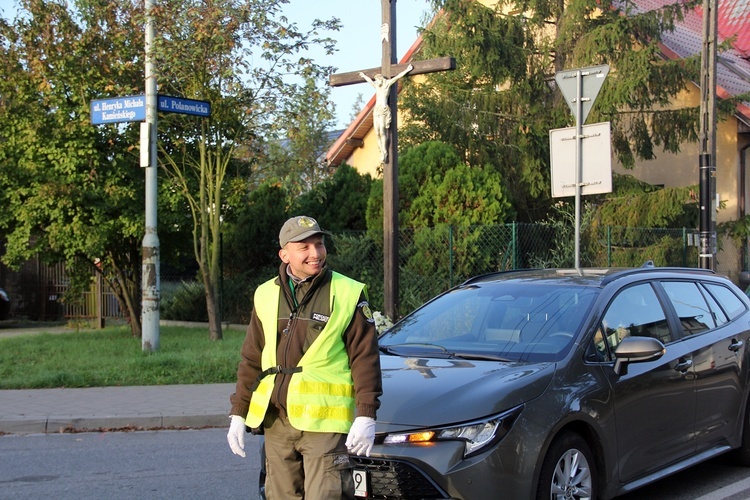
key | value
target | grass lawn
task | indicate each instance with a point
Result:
(113, 357)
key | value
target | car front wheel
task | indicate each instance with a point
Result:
(568, 470)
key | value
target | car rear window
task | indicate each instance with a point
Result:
(732, 305)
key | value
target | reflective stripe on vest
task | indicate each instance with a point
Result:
(321, 395)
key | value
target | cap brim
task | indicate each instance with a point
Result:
(305, 235)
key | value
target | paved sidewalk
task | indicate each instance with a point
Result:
(114, 408)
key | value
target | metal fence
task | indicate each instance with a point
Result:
(36, 293)
(431, 260)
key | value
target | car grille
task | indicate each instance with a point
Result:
(395, 479)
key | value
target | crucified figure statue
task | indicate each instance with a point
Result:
(381, 114)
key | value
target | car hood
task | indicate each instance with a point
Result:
(421, 392)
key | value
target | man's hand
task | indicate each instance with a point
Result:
(361, 436)
(236, 435)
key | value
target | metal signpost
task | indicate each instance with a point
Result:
(580, 88)
(143, 109)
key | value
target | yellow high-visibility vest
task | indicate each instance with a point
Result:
(321, 394)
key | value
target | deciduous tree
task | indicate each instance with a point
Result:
(71, 191)
(238, 55)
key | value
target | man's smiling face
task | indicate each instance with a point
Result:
(305, 258)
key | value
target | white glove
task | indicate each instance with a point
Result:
(236, 435)
(361, 436)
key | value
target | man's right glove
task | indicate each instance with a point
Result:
(236, 435)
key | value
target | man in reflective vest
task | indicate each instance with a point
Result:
(309, 376)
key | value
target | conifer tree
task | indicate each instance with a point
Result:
(499, 106)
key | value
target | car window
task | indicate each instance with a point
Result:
(636, 312)
(730, 304)
(692, 309)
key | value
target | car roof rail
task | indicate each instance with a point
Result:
(496, 273)
(653, 269)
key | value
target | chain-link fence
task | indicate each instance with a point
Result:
(432, 260)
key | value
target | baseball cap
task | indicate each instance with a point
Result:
(299, 228)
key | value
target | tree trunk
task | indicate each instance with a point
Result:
(127, 292)
(212, 302)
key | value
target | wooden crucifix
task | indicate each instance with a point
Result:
(383, 79)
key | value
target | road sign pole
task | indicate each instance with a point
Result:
(580, 105)
(150, 286)
(579, 165)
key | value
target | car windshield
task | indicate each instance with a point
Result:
(496, 321)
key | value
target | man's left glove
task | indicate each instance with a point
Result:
(361, 436)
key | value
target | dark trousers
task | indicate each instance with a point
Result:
(301, 464)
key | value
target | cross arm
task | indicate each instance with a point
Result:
(420, 68)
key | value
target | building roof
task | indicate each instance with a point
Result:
(732, 76)
(733, 65)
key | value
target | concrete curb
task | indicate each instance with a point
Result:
(114, 408)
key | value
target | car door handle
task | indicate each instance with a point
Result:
(736, 345)
(683, 365)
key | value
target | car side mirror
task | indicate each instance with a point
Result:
(637, 350)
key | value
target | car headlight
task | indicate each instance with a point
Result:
(476, 435)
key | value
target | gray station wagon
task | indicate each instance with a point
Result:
(566, 384)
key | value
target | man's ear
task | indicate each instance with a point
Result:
(284, 256)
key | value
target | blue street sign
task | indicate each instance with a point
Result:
(171, 104)
(118, 109)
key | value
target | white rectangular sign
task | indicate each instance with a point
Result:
(596, 150)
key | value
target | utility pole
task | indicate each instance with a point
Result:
(150, 246)
(707, 158)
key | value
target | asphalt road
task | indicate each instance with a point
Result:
(185, 464)
(197, 464)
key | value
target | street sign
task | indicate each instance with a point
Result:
(596, 175)
(170, 104)
(118, 109)
(592, 79)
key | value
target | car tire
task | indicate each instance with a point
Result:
(568, 470)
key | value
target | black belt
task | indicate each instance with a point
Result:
(273, 371)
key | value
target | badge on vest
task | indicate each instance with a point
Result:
(320, 317)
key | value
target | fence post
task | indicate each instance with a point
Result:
(609, 246)
(99, 300)
(450, 256)
(514, 244)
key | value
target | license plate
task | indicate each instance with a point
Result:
(361, 479)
